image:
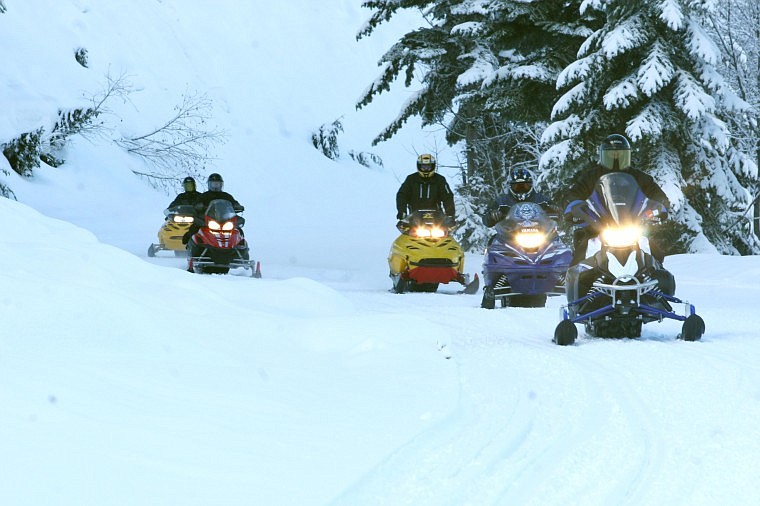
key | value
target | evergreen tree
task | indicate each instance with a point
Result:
(650, 72)
(488, 76)
(736, 27)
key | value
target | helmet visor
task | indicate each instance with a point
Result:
(215, 186)
(615, 159)
(521, 187)
(426, 167)
(189, 186)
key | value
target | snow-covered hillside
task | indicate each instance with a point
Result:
(127, 380)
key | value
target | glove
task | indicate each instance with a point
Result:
(449, 221)
(577, 211)
(657, 215)
(496, 215)
(402, 226)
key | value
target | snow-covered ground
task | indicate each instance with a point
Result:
(126, 380)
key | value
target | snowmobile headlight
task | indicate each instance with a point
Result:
(178, 218)
(620, 237)
(530, 240)
(228, 225)
(213, 225)
(437, 232)
(432, 232)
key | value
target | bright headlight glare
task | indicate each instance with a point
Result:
(432, 232)
(619, 237)
(182, 219)
(213, 225)
(530, 240)
(228, 225)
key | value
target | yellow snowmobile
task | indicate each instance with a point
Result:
(178, 221)
(425, 255)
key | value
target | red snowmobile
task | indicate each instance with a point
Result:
(218, 245)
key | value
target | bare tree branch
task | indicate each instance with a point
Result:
(181, 145)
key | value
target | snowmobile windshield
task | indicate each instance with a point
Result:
(526, 215)
(427, 217)
(182, 209)
(618, 197)
(220, 210)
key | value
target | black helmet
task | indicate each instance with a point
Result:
(188, 184)
(426, 165)
(215, 182)
(615, 152)
(520, 183)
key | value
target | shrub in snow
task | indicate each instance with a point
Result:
(369, 160)
(326, 139)
(23, 152)
(81, 56)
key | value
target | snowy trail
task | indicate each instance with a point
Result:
(523, 413)
(509, 417)
(607, 421)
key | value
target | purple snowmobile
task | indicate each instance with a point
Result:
(525, 261)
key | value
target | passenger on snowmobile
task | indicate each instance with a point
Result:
(520, 184)
(424, 190)
(614, 156)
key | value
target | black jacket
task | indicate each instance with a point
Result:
(186, 199)
(586, 180)
(207, 196)
(505, 201)
(418, 193)
(204, 200)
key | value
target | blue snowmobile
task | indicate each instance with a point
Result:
(620, 285)
(525, 261)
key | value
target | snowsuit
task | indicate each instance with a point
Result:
(505, 201)
(207, 196)
(186, 199)
(418, 193)
(584, 185)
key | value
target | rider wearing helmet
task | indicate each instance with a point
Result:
(215, 183)
(520, 189)
(189, 196)
(425, 189)
(614, 156)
